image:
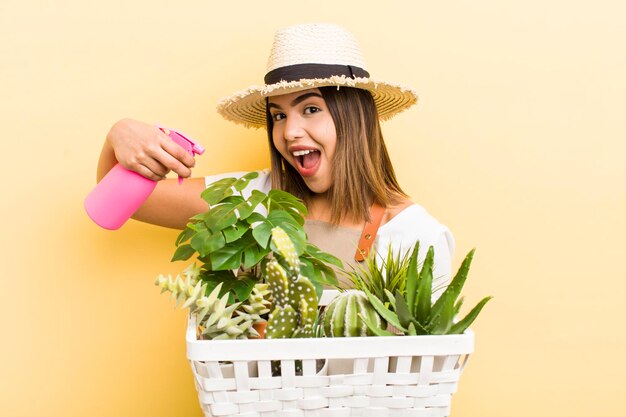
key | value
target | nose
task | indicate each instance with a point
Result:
(293, 128)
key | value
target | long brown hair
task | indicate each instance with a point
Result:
(362, 171)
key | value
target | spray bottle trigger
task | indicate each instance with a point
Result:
(187, 144)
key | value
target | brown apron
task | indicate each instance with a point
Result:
(341, 242)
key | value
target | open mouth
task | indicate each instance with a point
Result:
(307, 161)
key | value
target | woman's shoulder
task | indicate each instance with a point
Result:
(409, 217)
(411, 223)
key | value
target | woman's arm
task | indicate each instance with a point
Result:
(143, 148)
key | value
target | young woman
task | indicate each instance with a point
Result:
(321, 110)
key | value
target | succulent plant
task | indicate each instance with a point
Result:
(379, 274)
(342, 316)
(414, 313)
(215, 319)
(259, 302)
(294, 296)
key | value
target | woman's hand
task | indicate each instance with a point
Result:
(143, 148)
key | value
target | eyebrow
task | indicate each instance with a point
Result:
(296, 100)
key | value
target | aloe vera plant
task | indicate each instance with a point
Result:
(412, 311)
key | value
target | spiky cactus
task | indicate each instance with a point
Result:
(215, 319)
(295, 299)
(342, 317)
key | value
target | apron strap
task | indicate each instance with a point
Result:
(369, 232)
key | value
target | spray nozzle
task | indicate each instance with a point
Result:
(190, 145)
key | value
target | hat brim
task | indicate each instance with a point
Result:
(247, 107)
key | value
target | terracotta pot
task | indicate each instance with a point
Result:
(260, 328)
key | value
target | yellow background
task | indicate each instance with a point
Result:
(517, 144)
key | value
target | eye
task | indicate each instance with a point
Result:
(277, 117)
(311, 109)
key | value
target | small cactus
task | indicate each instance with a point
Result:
(295, 299)
(286, 249)
(343, 316)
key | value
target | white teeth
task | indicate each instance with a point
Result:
(304, 152)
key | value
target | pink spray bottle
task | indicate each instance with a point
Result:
(121, 192)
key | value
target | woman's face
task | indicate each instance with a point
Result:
(304, 134)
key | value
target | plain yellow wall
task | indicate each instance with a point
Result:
(517, 144)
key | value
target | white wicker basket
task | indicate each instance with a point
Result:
(352, 376)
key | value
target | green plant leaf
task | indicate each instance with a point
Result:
(391, 299)
(214, 278)
(252, 252)
(290, 204)
(423, 301)
(402, 310)
(443, 321)
(419, 329)
(457, 306)
(324, 274)
(396, 267)
(454, 289)
(412, 276)
(462, 325)
(388, 315)
(278, 218)
(228, 257)
(374, 328)
(221, 189)
(315, 275)
(412, 331)
(183, 252)
(184, 236)
(239, 288)
(316, 262)
(221, 216)
(206, 242)
(262, 233)
(243, 285)
(243, 181)
(255, 218)
(218, 191)
(235, 231)
(316, 253)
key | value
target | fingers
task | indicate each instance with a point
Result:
(177, 158)
(163, 156)
(148, 151)
(153, 169)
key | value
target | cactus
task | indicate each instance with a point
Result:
(295, 299)
(215, 319)
(342, 317)
(287, 250)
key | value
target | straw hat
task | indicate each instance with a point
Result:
(310, 56)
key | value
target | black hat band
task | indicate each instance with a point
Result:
(313, 71)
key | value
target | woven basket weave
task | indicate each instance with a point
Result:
(333, 377)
